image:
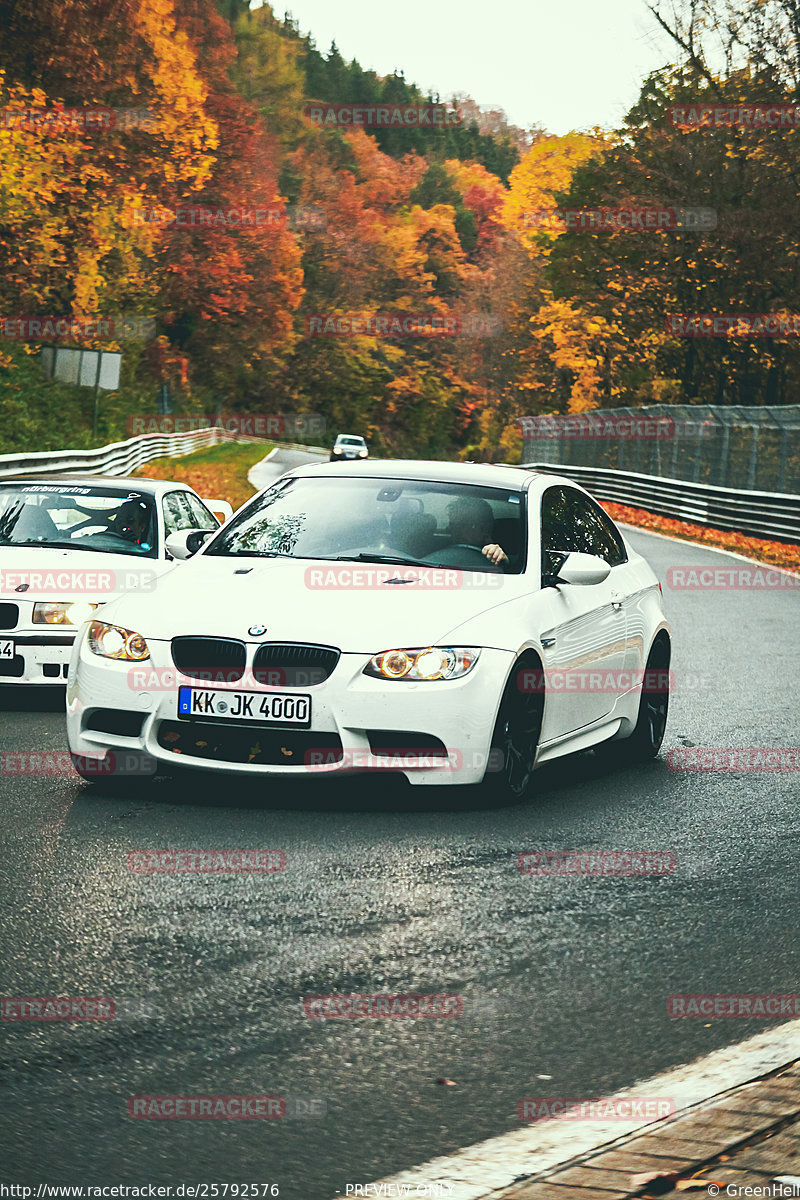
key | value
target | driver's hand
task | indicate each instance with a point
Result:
(495, 554)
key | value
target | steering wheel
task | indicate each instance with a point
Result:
(461, 554)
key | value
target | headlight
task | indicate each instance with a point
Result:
(362, 454)
(433, 662)
(110, 641)
(63, 612)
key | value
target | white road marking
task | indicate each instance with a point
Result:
(476, 1171)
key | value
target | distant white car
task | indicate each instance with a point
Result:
(422, 617)
(348, 446)
(71, 543)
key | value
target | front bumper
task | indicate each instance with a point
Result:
(38, 658)
(346, 710)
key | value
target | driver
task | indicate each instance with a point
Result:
(132, 521)
(470, 524)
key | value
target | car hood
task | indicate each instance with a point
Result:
(225, 597)
(63, 574)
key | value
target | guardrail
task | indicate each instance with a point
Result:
(771, 515)
(119, 458)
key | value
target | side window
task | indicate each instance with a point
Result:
(574, 524)
(201, 517)
(597, 530)
(177, 514)
(559, 532)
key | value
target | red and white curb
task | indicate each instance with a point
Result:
(477, 1172)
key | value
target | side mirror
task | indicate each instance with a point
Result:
(583, 570)
(220, 508)
(186, 542)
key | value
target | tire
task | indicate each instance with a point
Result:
(515, 739)
(648, 734)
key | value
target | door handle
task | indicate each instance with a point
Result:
(616, 602)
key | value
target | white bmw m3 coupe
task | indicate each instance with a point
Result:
(455, 623)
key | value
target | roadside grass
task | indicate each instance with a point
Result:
(779, 554)
(220, 472)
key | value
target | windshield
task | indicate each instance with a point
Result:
(78, 517)
(350, 441)
(431, 523)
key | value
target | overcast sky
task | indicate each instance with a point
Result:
(564, 64)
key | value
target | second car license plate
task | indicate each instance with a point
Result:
(272, 708)
(6, 650)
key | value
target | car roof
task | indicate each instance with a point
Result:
(150, 487)
(357, 436)
(482, 474)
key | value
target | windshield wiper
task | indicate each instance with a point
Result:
(249, 554)
(52, 546)
(381, 558)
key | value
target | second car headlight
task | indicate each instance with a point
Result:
(432, 662)
(63, 612)
(111, 641)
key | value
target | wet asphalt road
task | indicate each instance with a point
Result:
(392, 889)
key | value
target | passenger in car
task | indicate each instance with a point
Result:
(414, 532)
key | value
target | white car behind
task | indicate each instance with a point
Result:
(348, 446)
(70, 544)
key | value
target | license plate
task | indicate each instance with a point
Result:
(263, 708)
(6, 650)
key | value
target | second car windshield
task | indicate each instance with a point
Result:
(77, 517)
(431, 523)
